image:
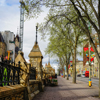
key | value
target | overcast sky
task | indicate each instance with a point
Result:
(10, 20)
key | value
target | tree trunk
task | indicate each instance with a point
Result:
(67, 75)
(64, 74)
(67, 71)
(99, 79)
(67, 68)
(97, 30)
(74, 67)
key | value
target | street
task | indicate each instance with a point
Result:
(95, 81)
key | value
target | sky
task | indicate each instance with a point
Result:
(10, 20)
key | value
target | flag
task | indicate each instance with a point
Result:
(92, 59)
(85, 49)
(92, 49)
(68, 66)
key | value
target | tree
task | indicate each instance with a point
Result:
(63, 39)
(86, 11)
(58, 41)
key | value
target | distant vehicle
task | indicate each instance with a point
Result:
(83, 75)
(53, 80)
(86, 73)
(78, 75)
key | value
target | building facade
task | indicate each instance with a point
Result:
(16, 39)
(2, 46)
(79, 67)
(10, 44)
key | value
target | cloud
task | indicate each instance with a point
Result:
(30, 35)
(10, 20)
(11, 2)
(2, 2)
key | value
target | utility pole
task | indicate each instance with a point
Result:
(90, 82)
(89, 67)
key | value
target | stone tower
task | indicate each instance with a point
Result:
(35, 57)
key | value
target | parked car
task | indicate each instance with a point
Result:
(78, 75)
(53, 80)
(83, 75)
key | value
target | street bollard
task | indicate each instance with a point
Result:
(90, 83)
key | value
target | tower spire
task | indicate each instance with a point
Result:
(36, 32)
(17, 31)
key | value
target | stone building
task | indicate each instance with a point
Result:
(10, 44)
(36, 60)
(79, 67)
(24, 66)
(2, 46)
(96, 66)
(16, 39)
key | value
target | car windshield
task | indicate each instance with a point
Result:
(83, 74)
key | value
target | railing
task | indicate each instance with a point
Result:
(32, 73)
(9, 74)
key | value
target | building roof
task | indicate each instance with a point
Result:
(17, 36)
(1, 38)
(49, 65)
(35, 52)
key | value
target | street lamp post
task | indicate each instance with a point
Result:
(89, 67)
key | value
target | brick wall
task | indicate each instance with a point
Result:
(14, 92)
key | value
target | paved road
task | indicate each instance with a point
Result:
(66, 90)
(95, 81)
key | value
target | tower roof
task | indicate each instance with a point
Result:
(17, 36)
(35, 52)
(49, 65)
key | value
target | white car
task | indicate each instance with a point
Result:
(83, 75)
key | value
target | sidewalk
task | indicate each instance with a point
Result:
(66, 90)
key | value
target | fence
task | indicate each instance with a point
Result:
(9, 74)
(32, 73)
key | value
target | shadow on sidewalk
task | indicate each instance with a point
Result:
(67, 89)
(53, 93)
(65, 92)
